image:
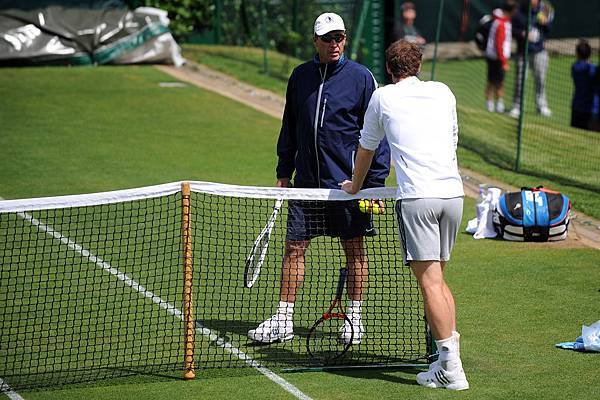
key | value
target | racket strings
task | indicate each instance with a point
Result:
(325, 341)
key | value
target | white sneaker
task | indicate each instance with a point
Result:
(500, 107)
(346, 332)
(278, 328)
(514, 112)
(437, 377)
(545, 111)
(489, 105)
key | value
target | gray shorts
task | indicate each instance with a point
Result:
(428, 227)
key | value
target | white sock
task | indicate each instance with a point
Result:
(456, 337)
(490, 105)
(354, 309)
(285, 309)
(449, 356)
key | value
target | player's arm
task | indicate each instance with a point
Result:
(370, 138)
(362, 164)
(380, 166)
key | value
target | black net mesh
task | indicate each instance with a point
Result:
(85, 292)
(226, 229)
(90, 293)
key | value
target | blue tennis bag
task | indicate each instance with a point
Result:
(532, 215)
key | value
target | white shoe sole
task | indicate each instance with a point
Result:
(354, 341)
(458, 385)
(261, 339)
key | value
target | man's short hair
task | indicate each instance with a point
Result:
(508, 6)
(583, 50)
(408, 5)
(403, 59)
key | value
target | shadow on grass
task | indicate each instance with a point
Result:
(381, 374)
(294, 352)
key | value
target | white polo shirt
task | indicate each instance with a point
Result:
(419, 120)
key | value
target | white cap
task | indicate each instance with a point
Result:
(328, 22)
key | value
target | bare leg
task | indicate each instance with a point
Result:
(437, 308)
(292, 272)
(499, 89)
(449, 298)
(356, 261)
(489, 91)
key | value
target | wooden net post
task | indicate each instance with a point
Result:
(188, 316)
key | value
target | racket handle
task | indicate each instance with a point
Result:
(341, 283)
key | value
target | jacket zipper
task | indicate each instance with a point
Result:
(323, 113)
(316, 128)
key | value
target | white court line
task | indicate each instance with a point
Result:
(171, 309)
(6, 390)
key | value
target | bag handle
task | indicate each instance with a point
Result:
(539, 188)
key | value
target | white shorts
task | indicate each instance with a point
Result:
(428, 227)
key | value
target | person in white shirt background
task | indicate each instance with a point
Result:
(420, 123)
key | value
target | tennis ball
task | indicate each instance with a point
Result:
(363, 206)
(376, 208)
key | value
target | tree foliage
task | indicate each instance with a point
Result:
(186, 16)
(284, 25)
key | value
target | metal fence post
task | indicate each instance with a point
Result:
(265, 39)
(217, 23)
(523, 79)
(437, 39)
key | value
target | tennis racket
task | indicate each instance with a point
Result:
(257, 255)
(323, 342)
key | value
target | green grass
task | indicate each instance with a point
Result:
(97, 129)
(78, 130)
(553, 154)
(246, 64)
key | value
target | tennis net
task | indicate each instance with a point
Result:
(155, 279)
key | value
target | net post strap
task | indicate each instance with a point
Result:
(188, 317)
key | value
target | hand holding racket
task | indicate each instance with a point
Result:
(257, 255)
(323, 341)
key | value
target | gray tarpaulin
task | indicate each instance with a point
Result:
(88, 32)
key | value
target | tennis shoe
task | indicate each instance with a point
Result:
(438, 377)
(545, 111)
(515, 112)
(500, 107)
(278, 328)
(346, 335)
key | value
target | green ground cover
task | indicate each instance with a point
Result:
(80, 130)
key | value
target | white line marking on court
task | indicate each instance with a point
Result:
(6, 390)
(171, 309)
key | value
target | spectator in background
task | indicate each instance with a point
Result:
(406, 29)
(497, 54)
(585, 80)
(542, 15)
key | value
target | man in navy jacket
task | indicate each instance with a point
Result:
(326, 101)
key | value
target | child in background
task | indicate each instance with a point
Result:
(586, 82)
(497, 54)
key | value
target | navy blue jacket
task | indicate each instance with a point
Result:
(586, 79)
(324, 111)
(519, 28)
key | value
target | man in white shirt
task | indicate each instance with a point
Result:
(419, 120)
